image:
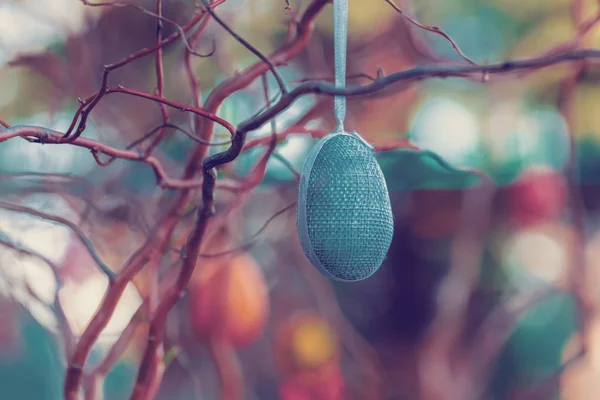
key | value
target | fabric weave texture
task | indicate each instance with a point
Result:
(348, 212)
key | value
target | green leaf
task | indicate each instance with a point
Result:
(59, 48)
(542, 332)
(534, 350)
(35, 372)
(588, 160)
(171, 355)
(406, 170)
(120, 381)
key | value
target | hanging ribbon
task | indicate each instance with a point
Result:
(340, 39)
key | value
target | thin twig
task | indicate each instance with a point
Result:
(433, 29)
(251, 240)
(73, 227)
(158, 16)
(247, 45)
(194, 84)
(160, 79)
(158, 128)
(181, 107)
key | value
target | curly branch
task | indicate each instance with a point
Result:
(48, 136)
(411, 75)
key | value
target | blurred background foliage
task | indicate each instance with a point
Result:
(294, 340)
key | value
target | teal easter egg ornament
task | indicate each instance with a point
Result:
(344, 216)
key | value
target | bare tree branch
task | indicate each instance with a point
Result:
(62, 221)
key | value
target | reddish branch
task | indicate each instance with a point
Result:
(94, 376)
(173, 104)
(194, 85)
(153, 247)
(156, 245)
(87, 105)
(281, 56)
(158, 241)
(48, 136)
(158, 16)
(160, 80)
(149, 366)
(244, 79)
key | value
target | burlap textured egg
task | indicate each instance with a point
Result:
(344, 216)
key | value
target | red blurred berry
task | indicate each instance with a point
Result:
(326, 383)
(539, 195)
